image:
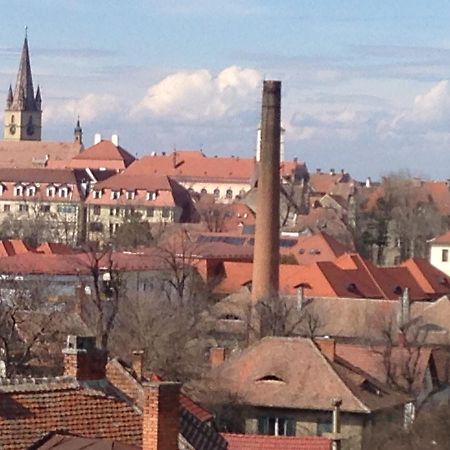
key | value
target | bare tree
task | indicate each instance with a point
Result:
(108, 291)
(19, 338)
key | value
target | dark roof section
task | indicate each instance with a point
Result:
(61, 441)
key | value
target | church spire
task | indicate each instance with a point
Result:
(23, 98)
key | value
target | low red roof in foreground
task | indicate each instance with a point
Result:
(261, 442)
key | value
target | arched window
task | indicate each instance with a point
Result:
(203, 191)
(216, 193)
(30, 191)
(229, 194)
(51, 191)
(18, 190)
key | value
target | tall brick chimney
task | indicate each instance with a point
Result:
(161, 418)
(83, 360)
(266, 259)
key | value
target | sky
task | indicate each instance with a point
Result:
(365, 83)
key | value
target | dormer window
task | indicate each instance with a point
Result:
(51, 191)
(63, 191)
(271, 378)
(98, 194)
(115, 195)
(30, 191)
(131, 195)
(18, 190)
(151, 195)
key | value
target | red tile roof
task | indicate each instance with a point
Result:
(187, 165)
(14, 247)
(55, 248)
(29, 411)
(307, 382)
(260, 442)
(29, 154)
(104, 154)
(57, 441)
(443, 239)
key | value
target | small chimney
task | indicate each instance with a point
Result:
(115, 139)
(83, 360)
(332, 172)
(328, 347)
(137, 363)
(405, 308)
(368, 182)
(161, 421)
(336, 439)
(174, 159)
(97, 138)
(300, 297)
(216, 356)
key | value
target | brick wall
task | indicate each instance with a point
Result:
(161, 421)
(85, 364)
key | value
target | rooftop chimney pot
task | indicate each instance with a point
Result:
(97, 138)
(115, 139)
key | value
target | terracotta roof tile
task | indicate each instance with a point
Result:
(309, 382)
(27, 415)
(259, 442)
(106, 151)
(27, 154)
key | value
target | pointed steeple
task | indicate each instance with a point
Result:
(23, 98)
(9, 98)
(78, 133)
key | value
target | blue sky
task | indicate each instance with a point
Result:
(365, 83)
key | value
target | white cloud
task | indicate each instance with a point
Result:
(433, 104)
(90, 107)
(199, 94)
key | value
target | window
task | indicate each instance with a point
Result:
(130, 195)
(150, 212)
(229, 194)
(96, 210)
(45, 208)
(51, 191)
(276, 426)
(18, 190)
(242, 192)
(30, 191)
(203, 191)
(324, 426)
(165, 213)
(114, 211)
(23, 208)
(113, 227)
(445, 255)
(115, 195)
(63, 192)
(151, 195)
(96, 226)
(67, 209)
(216, 193)
(2, 188)
(97, 194)
(6, 208)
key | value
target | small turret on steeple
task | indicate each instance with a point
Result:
(78, 133)
(38, 99)
(9, 99)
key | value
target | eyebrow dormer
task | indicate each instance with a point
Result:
(271, 378)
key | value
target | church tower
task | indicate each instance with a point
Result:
(23, 114)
